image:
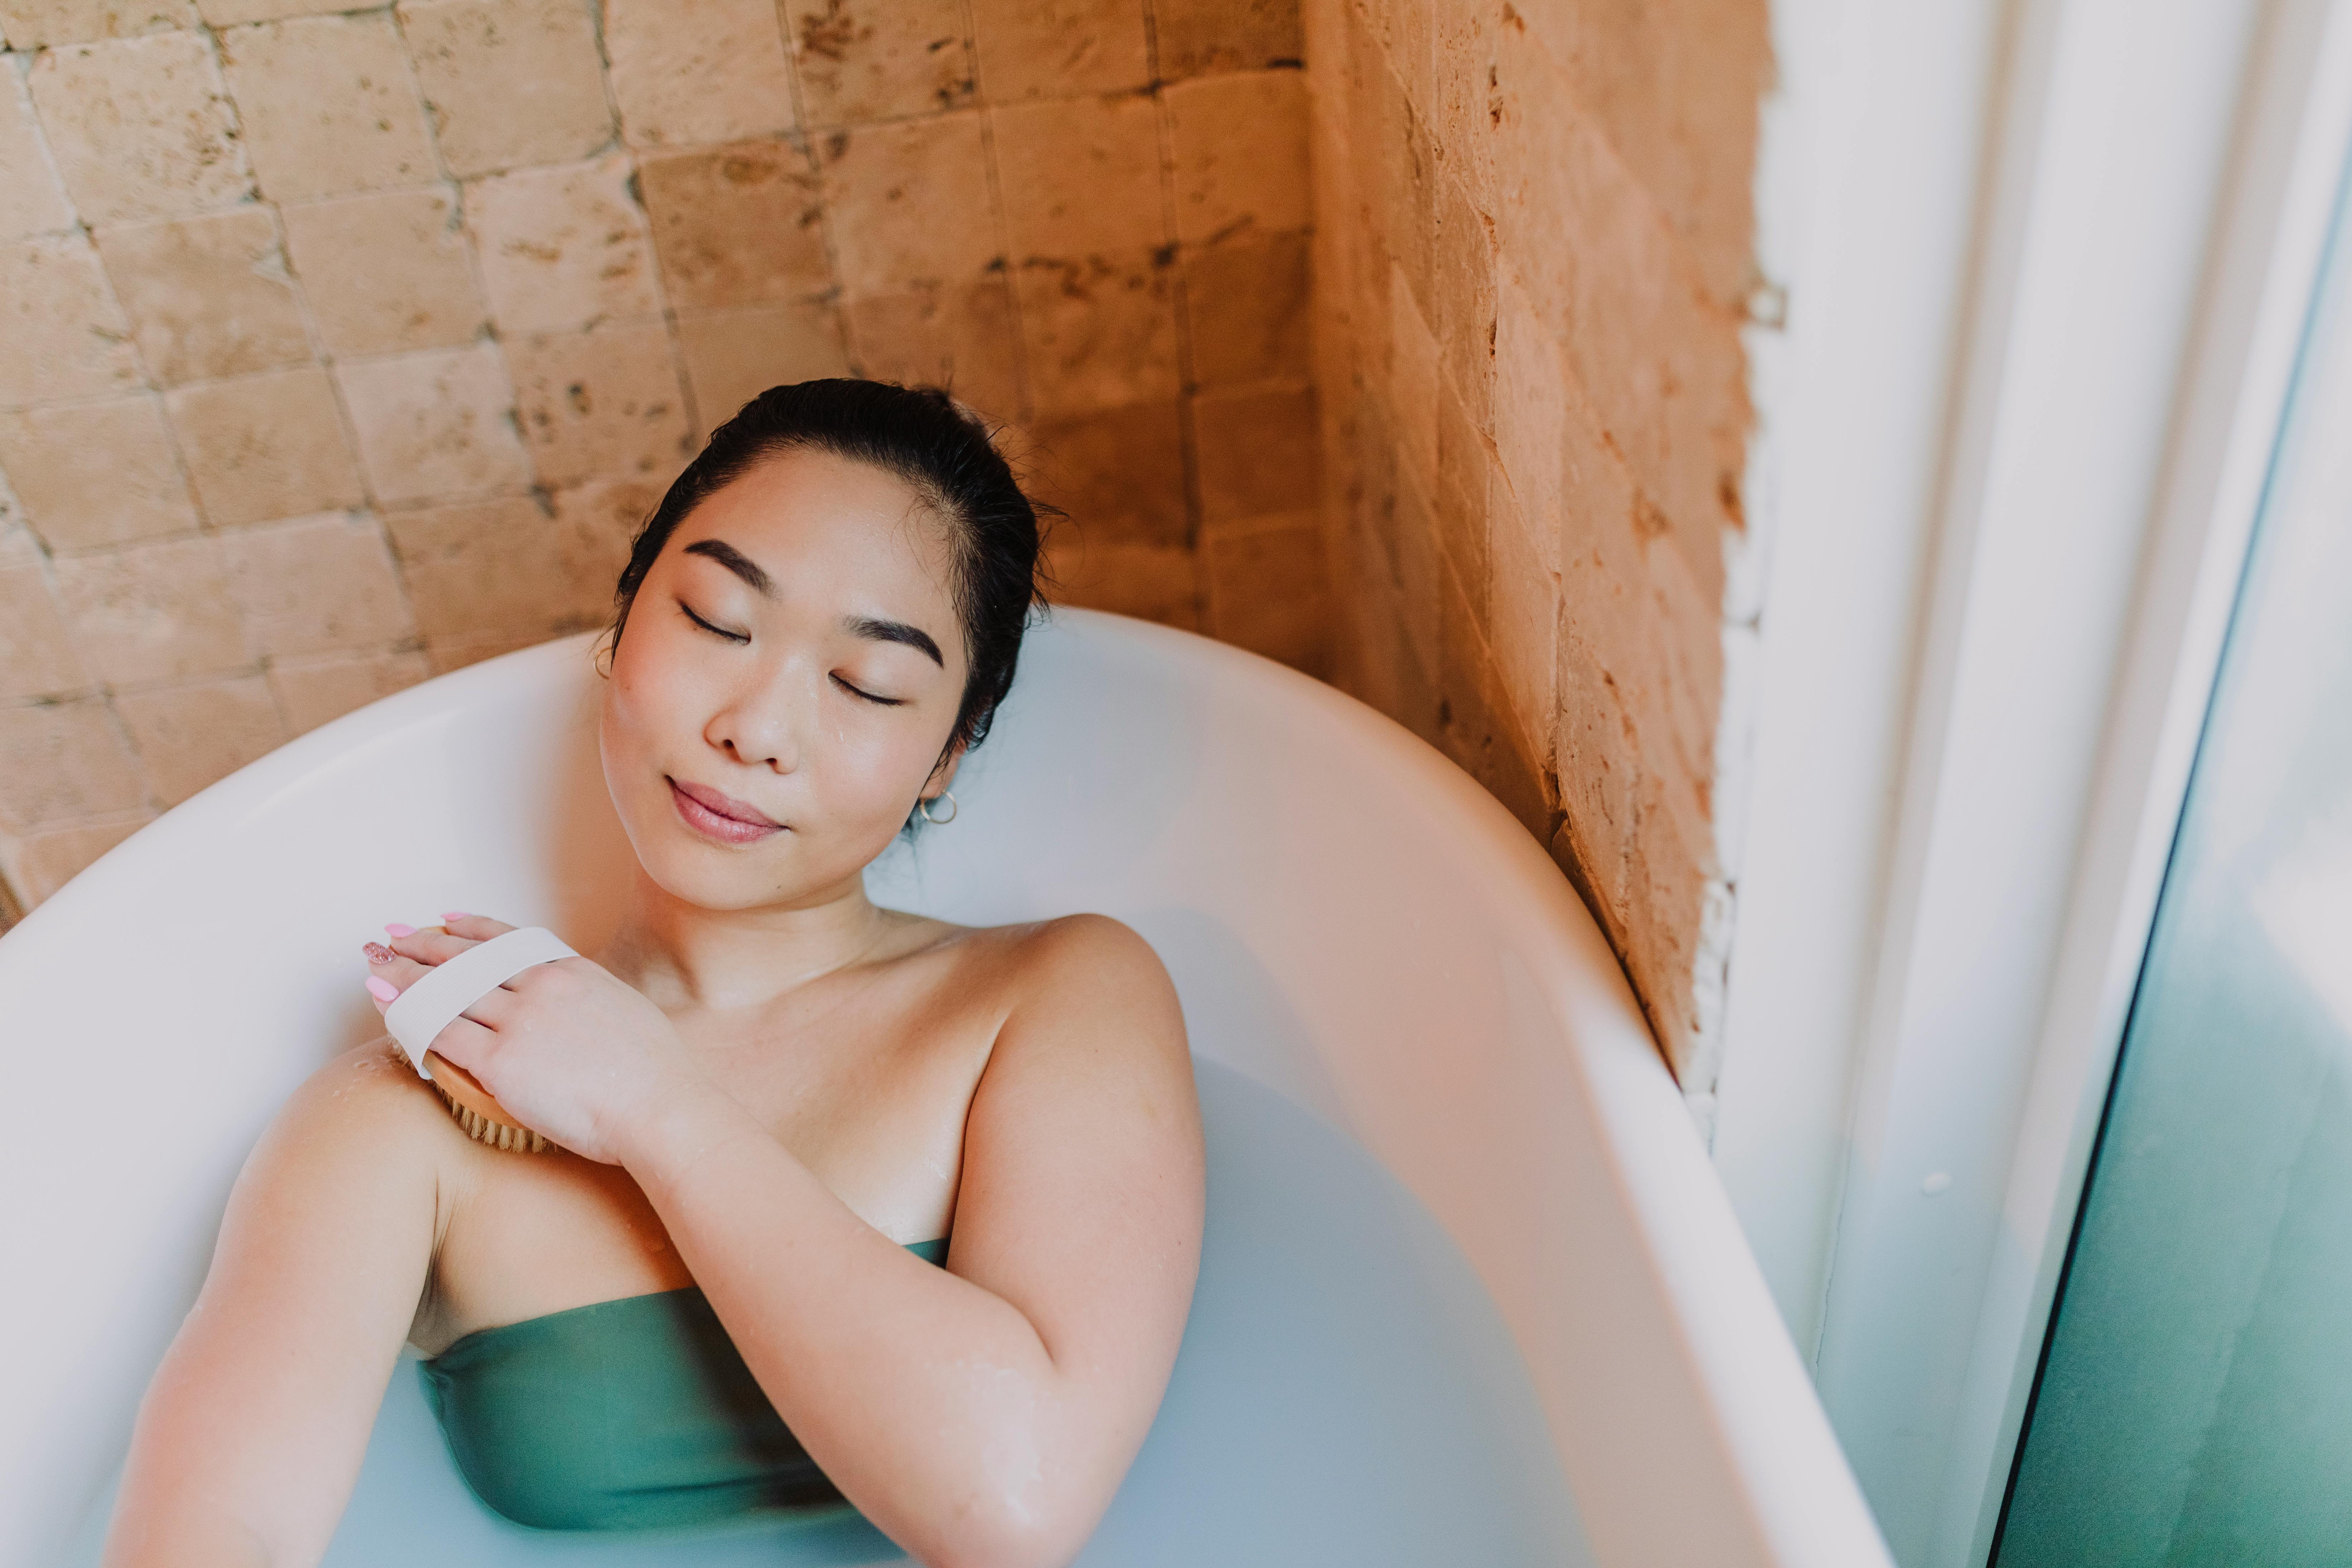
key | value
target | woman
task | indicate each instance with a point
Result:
(770, 1096)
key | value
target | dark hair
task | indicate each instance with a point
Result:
(944, 452)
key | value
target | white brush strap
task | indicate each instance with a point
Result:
(420, 1012)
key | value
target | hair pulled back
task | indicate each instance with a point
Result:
(941, 450)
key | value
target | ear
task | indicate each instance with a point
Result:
(943, 776)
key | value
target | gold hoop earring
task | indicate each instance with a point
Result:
(924, 806)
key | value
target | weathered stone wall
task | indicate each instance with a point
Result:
(341, 346)
(1531, 265)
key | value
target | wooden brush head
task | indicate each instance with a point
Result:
(477, 1111)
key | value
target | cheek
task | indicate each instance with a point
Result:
(648, 684)
(640, 711)
(867, 774)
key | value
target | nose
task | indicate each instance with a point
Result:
(761, 722)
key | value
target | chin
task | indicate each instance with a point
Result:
(714, 877)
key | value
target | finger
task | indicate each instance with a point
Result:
(430, 946)
(465, 1043)
(389, 974)
(493, 1008)
(477, 927)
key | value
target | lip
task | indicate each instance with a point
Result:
(720, 816)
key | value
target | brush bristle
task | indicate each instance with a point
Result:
(497, 1134)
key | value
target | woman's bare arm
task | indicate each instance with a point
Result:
(981, 1416)
(252, 1433)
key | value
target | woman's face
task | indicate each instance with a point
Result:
(790, 673)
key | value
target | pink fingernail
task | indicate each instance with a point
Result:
(455, 915)
(377, 952)
(382, 989)
(396, 931)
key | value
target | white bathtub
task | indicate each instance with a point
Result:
(1350, 920)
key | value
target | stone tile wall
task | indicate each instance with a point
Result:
(1532, 264)
(339, 347)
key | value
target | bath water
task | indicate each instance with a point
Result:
(1346, 1394)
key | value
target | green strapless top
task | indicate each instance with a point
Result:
(622, 1415)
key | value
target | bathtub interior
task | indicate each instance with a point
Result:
(1352, 925)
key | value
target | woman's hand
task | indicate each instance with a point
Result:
(580, 1057)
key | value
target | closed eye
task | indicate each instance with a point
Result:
(878, 701)
(715, 631)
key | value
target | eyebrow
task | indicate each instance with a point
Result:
(735, 561)
(867, 626)
(896, 631)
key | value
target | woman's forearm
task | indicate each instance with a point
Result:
(933, 1402)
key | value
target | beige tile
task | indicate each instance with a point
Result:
(1080, 175)
(317, 584)
(1240, 150)
(1151, 582)
(386, 272)
(60, 760)
(732, 356)
(48, 859)
(514, 569)
(562, 247)
(1200, 36)
(1676, 97)
(37, 659)
(31, 200)
(265, 447)
(879, 59)
(446, 654)
(92, 474)
(602, 404)
(1055, 48)
(1525, 598)
(1465, 94)
(435, 424)
(1099, 330)
(1466, 478)
(691, 72)
(140, 127)
(17, 543)
(229, 13)
(1257, 453)
(1530, 405)
(311, 691)
(1118, 472)
(909, 202)
(1266, 589)
(509, 82)
(1249, 303)
(601, 521)
(327, 106)
(960, 337)
(151, 612)
(207, 297)
(39, 24)
(1404, 173)
(66, 336)
(475, 569)
(1462, 260)
(1412, 385)
(737, 225)
(191, 736)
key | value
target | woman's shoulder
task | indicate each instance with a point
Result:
(1088, 970)
(367, 1103)
(1077, 940)
(1072, 947)
(1093, 969)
